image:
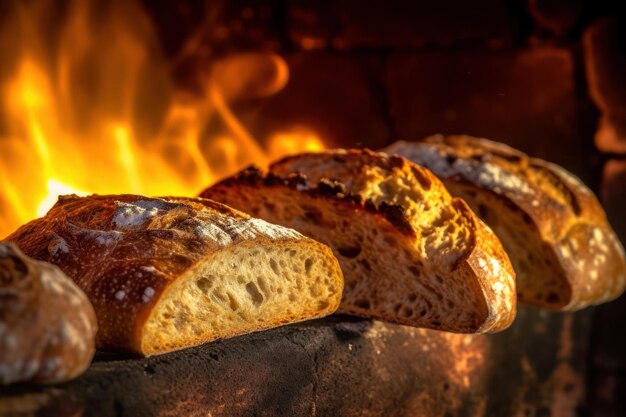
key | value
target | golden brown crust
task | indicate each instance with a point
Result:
(490, 264)
(124, 251)
(554, 204)
(339, 176)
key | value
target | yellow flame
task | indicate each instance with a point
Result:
(126, 155)
(97, 112)
(294, 141)
(55, 189)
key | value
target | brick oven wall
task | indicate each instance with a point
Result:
(545, 76)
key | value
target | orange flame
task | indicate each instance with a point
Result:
(98, 112)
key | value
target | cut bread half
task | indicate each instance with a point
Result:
(410, 253)
(168, 273)
(565, 253)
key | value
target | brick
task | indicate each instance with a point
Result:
(217, 26)
(250, 24)
(613, 195)
(608, 395)
(524, 98)
(193, 33)
(336, 96)
(345, 24)
(609, 343)
(175, 21)
(557, 17)
(604, 44)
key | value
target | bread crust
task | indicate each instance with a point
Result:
(125, 258)
(326, 188)
(497, 308)
(555, 205)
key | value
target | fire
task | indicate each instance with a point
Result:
(55, 189)
(91, 107)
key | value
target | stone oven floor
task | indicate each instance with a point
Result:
(338, 366)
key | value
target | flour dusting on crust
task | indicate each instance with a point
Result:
(59, 246)
(134, 215)
(483, 173)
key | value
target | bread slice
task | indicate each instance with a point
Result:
(410, 253)
(168, 273)
(564, 251)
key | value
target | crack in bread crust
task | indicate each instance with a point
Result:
(326, 187)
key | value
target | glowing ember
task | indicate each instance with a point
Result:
(95, 111)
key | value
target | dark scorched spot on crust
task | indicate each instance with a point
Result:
(327, 187)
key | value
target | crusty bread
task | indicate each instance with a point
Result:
(168, 273)
(47, 325)
(564, 251)
(410, 253)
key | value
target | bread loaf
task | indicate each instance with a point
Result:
(564, 251)
(47, 325)
(168, 273)
(410, 253)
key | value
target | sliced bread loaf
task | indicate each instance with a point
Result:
(168, 273)
(410, 253)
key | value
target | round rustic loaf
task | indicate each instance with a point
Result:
(47, 325)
